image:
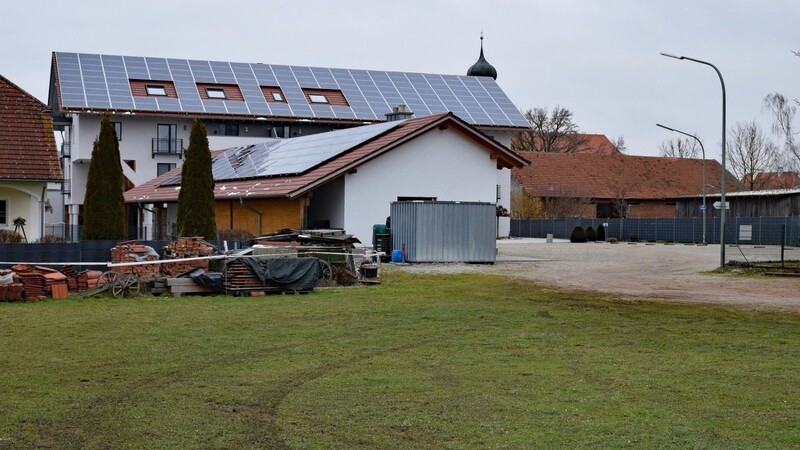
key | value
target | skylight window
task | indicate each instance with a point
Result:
(216, 93)
(277, 96)
(318, 98)
(156, 89)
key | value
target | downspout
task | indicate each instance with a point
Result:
(42, 203)
(258, 213)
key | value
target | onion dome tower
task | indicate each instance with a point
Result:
(482, 68)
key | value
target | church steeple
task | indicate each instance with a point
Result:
(482, 68)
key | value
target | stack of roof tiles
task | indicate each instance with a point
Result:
(186, 247)
(34, 282)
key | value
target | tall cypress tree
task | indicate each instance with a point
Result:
(196, 197)
(104, 205)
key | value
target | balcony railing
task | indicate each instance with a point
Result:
(167, 147)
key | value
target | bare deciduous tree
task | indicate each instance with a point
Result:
(784, 112)
(562, 203)
(750, 152)
(619, 144)
(679, 148)
(549, 132)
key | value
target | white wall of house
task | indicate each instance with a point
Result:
(23, 199)
(441, 163)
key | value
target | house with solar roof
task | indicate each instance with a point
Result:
(344, 178)
(152, 102)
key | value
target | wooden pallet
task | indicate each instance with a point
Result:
(180, 286)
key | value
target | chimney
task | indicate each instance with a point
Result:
(400, 112)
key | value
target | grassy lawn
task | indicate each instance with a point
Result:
(457, 361)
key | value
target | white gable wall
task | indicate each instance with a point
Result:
(441, 163)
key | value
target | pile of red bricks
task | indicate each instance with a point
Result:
(10, 291)
(130, 251)
(186, 247)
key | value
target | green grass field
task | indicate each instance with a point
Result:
(458, 361)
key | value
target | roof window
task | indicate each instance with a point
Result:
(156, 89)
(318, 98)
(277, 96)
(216, 93)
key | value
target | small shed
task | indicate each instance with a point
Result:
(435, 231)
(766, 203)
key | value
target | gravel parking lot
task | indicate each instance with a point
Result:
(632, 271)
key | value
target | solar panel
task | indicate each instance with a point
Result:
(103, 82)
(291, 156)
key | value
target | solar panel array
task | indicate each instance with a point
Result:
(288, 156)
(89, 81)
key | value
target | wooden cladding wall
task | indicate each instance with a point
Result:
(232, 91)
(334, 97)
(139, 88)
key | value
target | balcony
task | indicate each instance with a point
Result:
(168, 147)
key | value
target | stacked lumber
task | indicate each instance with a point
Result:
(130, 251)
(186, 247)
(13, 290)
(238, 277)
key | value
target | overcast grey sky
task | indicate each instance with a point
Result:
(600, 59)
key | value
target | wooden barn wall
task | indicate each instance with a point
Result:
(760, 206)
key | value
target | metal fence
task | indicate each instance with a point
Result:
(72, 233)
(738, 230)
(82, 252)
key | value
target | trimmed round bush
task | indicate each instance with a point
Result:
(601, 233)
(590, 236)
(578, 235)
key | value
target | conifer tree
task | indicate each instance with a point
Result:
(196, 197)
(104, 205)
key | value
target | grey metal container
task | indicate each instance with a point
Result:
(445, 231)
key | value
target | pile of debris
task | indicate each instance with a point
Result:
(186, 247)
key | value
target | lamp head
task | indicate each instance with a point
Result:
(665, 127)
(668, 55)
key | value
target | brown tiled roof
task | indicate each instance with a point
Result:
(773, 180)
(620, 176)
(295, 185)
(27, 146)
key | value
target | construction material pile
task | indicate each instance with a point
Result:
(10, 286)
(34, 283)
(186, 247)
(130, 251)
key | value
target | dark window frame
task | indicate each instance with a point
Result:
(159, 166)
(4, 207)
(171, 139)
(219, 93)
(118, 129)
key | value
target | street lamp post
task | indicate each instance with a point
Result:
(722, 187)
(704, 171)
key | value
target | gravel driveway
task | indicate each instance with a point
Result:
(632, 271)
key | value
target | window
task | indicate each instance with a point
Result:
(318, 98)
(229, 129)
(156, 89)
(216, 93)
(277, 96)
(167, 138)
(163, 168)
(3, 212)
(118, 129)
(279, 132)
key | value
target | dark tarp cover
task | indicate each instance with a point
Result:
(210, 280)
(295, 274)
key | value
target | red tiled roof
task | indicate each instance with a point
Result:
(620, 176)
(295, 185)
(773, 180)
(27, 146)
